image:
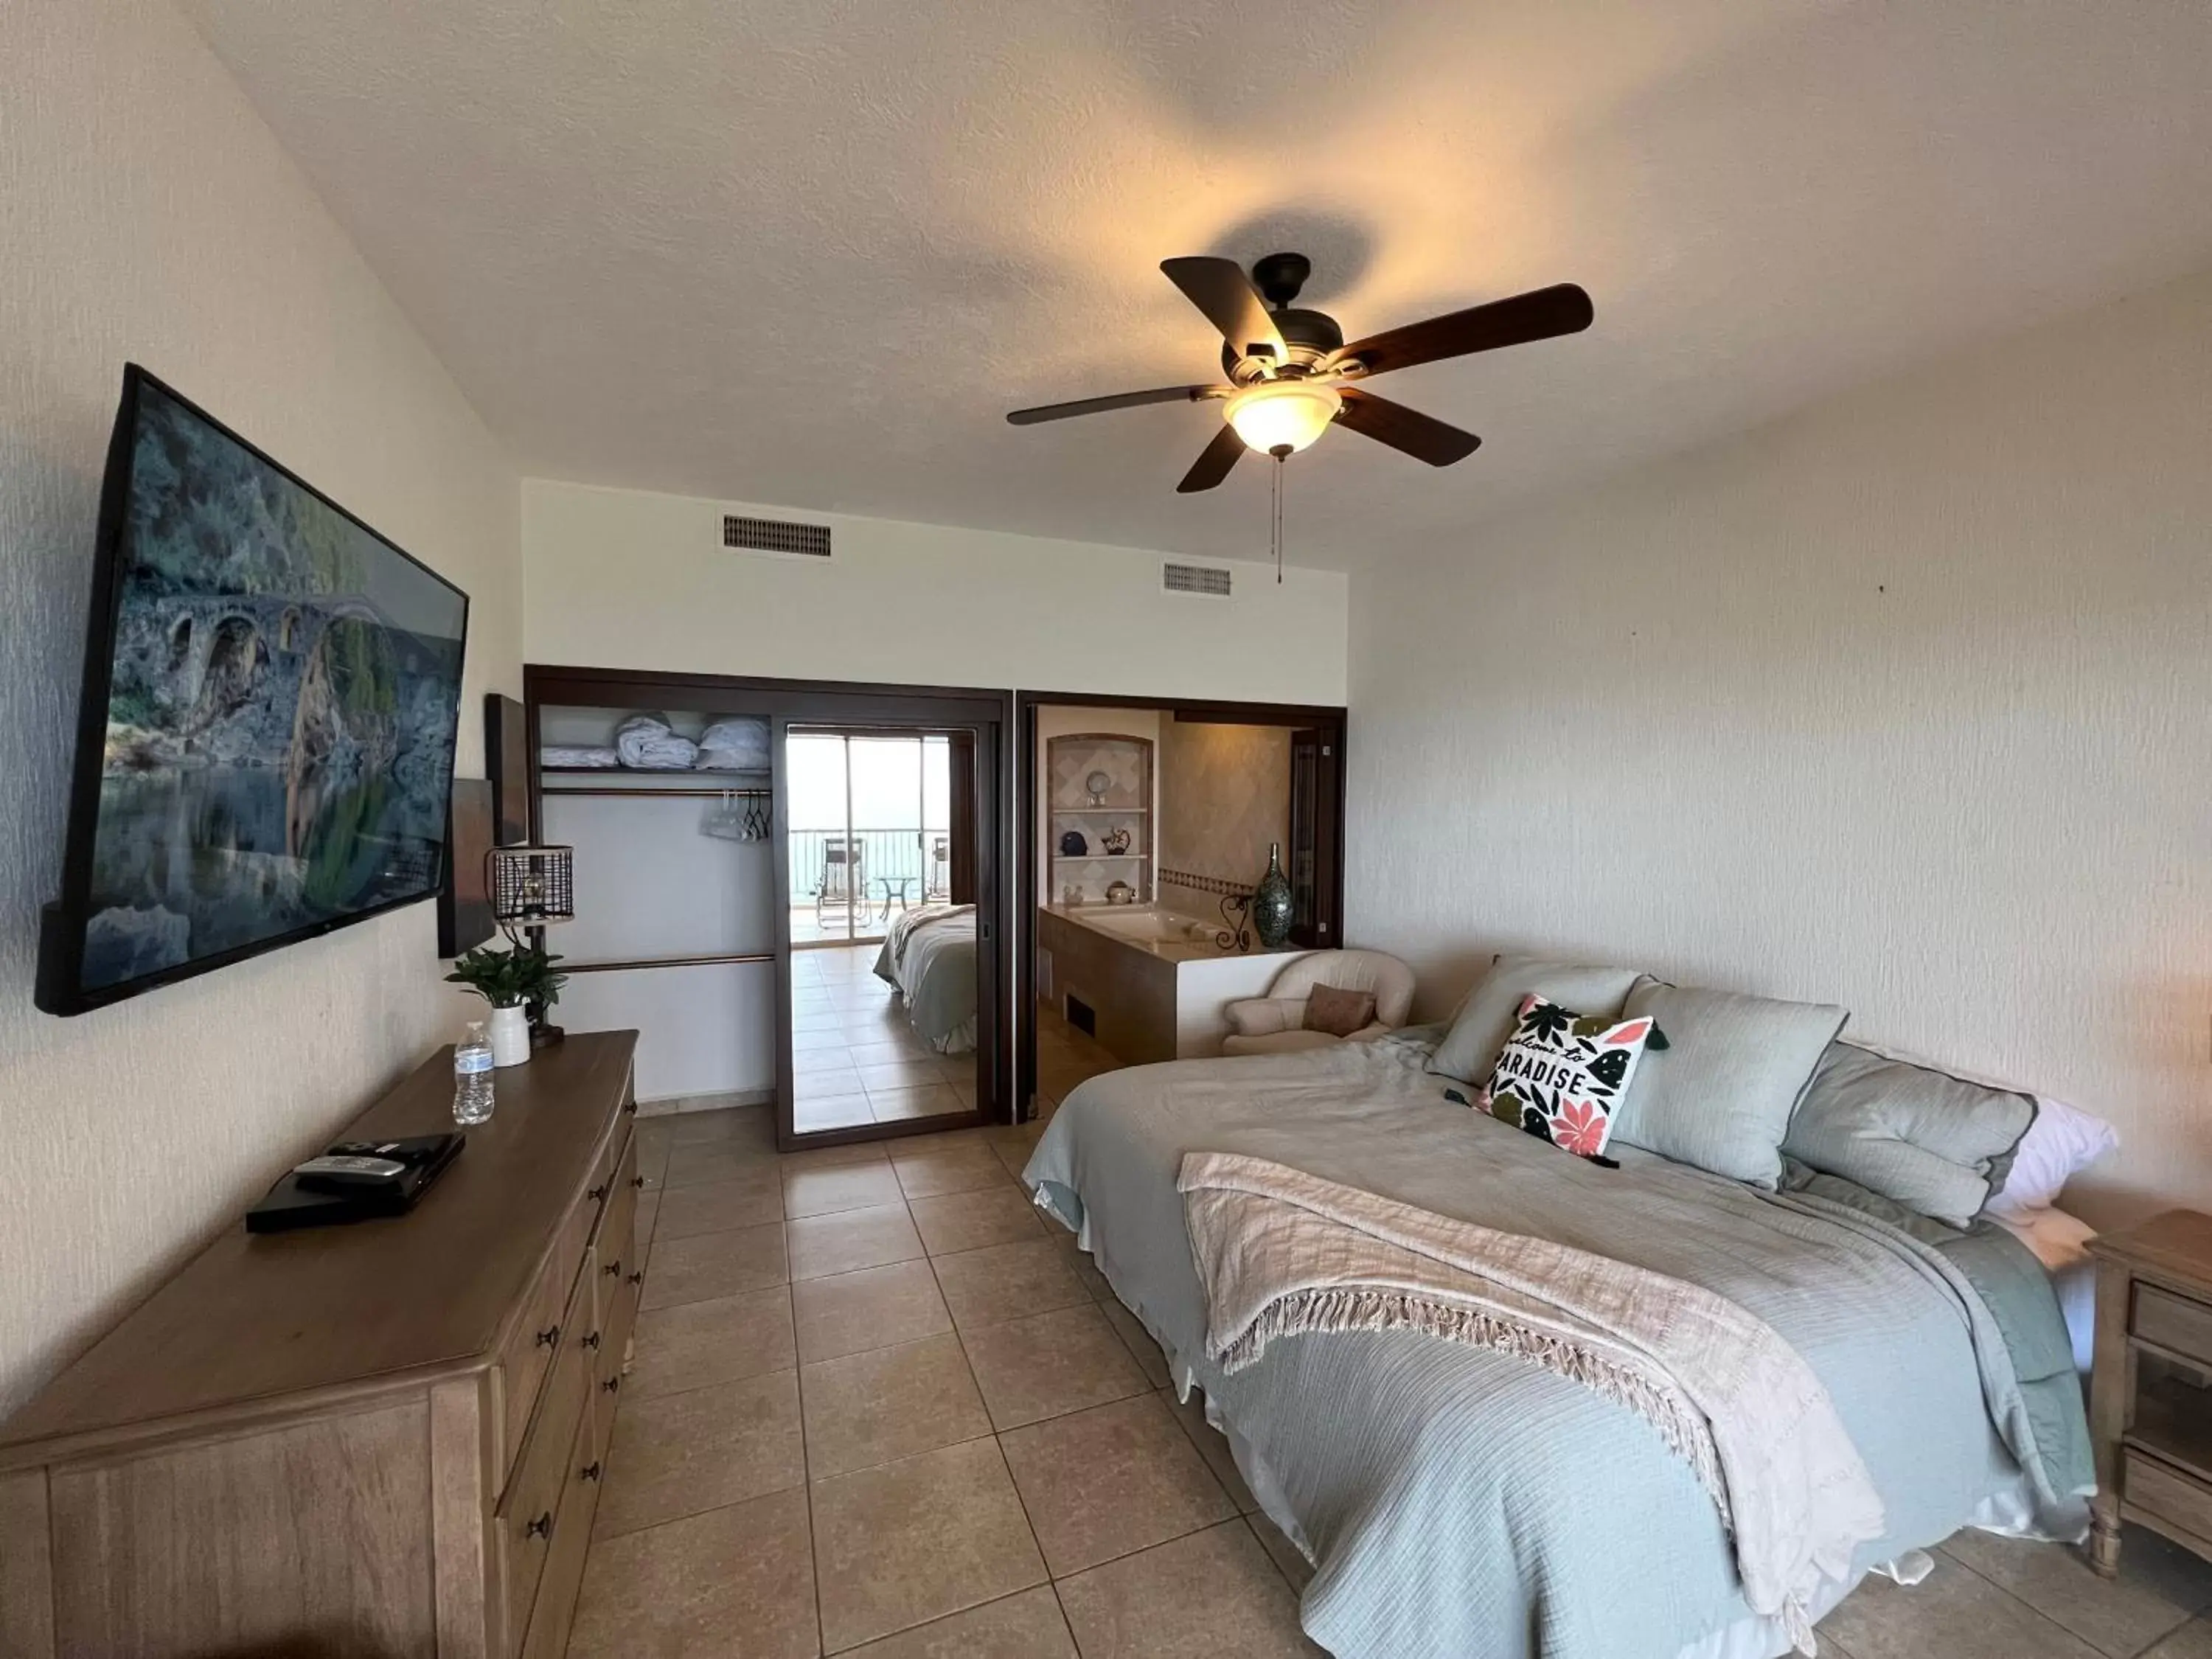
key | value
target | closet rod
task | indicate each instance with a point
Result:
(676, 795)
(665, 961)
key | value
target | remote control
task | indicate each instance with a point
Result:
(341, 1170)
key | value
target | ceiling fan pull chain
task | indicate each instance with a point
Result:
(1282, 453)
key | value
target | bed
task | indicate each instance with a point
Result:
(1458, 1501)
(929, 958)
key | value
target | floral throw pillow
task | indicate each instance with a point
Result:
(1561, 1074)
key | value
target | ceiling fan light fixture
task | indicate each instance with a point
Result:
(1274, 415)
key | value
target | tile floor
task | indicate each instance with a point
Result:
(880, 1407)
(855, 1058)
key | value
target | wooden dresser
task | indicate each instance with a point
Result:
(376, 1440)
(2150, 1408)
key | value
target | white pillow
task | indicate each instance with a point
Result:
(2062, 1142)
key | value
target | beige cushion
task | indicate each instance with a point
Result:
(1389, 979)
(1264, 1015)
(1338, 1012)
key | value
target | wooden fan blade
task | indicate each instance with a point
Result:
(1563, 309)
(1422, 436)
(1165, 394)
(1214, 462)
(1221, 289)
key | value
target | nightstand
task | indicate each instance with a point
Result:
(2150, 1411)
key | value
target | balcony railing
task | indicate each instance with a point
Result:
(907, 854)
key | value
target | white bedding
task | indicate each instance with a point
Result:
(2060, 1242)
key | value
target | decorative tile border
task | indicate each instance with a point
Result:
(1215, 885)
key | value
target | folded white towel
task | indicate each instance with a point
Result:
(576, 755)
(646, 744)
(735, 745)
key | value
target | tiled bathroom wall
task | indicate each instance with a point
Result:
(1224, 794)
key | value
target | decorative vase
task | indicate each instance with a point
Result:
(510, 1036)
(1072, 845)
(1271, 901)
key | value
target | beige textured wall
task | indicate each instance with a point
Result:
(148, 214)
(1226, 795)
(1904, 701)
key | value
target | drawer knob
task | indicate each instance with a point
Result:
(589, 1472)
(637, 1277)
(630, 1107)
(593, 1340)
(637, 1181)
(549, 1336)
(611, 1384)
(541, 1527)
(598, 1194)
(613, 1269)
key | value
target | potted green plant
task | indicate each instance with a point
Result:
(521, 983)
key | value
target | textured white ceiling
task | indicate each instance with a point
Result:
(810, 252)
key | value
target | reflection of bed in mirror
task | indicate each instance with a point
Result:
(929, 957)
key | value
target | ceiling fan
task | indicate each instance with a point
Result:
(1290, 374)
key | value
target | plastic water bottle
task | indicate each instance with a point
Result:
(472, 1080)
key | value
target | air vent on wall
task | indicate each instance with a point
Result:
(1194, 578)
(802, 541)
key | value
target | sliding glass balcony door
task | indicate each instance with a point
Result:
(871, 830)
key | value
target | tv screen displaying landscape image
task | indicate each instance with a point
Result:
(282, 690)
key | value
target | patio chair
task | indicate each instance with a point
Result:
(843, 881)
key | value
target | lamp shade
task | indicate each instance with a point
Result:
(1282, 414)
(531, 886)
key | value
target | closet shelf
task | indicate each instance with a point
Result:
(667, 962)
(1091, 811)
(1100, 858)
(633, 792)
(655, 771)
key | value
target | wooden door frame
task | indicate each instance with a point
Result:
(1329, 900)
(850, 703)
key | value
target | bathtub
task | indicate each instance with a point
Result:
(1150, 981)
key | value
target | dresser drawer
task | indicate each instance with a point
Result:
(542, 1332)
(2152, 1486)
(2173, 1322)
(528, 1513)
(554, 1611)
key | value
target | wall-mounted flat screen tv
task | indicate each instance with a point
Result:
(264, 745)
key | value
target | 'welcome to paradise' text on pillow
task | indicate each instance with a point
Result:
(1561, 1075)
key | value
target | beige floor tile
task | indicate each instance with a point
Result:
(904, 1543)
(2161, 1586)
(1292, 1563)
(1049, 1364)
(894, 1051)
(1214, 1594)
(684, 1453)
(732, 1584)
(710, 1162)
(992, 1286)
(1079, 1261)
(1213, 1445)
(831, 1157)
(818, 1020)
(1147, 1353)
(1025, 1626)
(747, 1126)
(932, 1170)
(967, 1221)
(1015, 1157)
(872, 1307)
(751, 1199)
(830, 1083)
(2192, 1641)
(714, 1265)
(932, 1100)
(1953, 1613)
(827, 1037)
(825, 1244)
(844, 1187)
(822, 1057)
(1109, 1481)
(913, 1074)
(888, 1403)
(696, 1343)
(838, 1112)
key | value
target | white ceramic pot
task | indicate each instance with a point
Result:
(510, 1036)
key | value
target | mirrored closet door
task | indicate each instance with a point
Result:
(890, 1017)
